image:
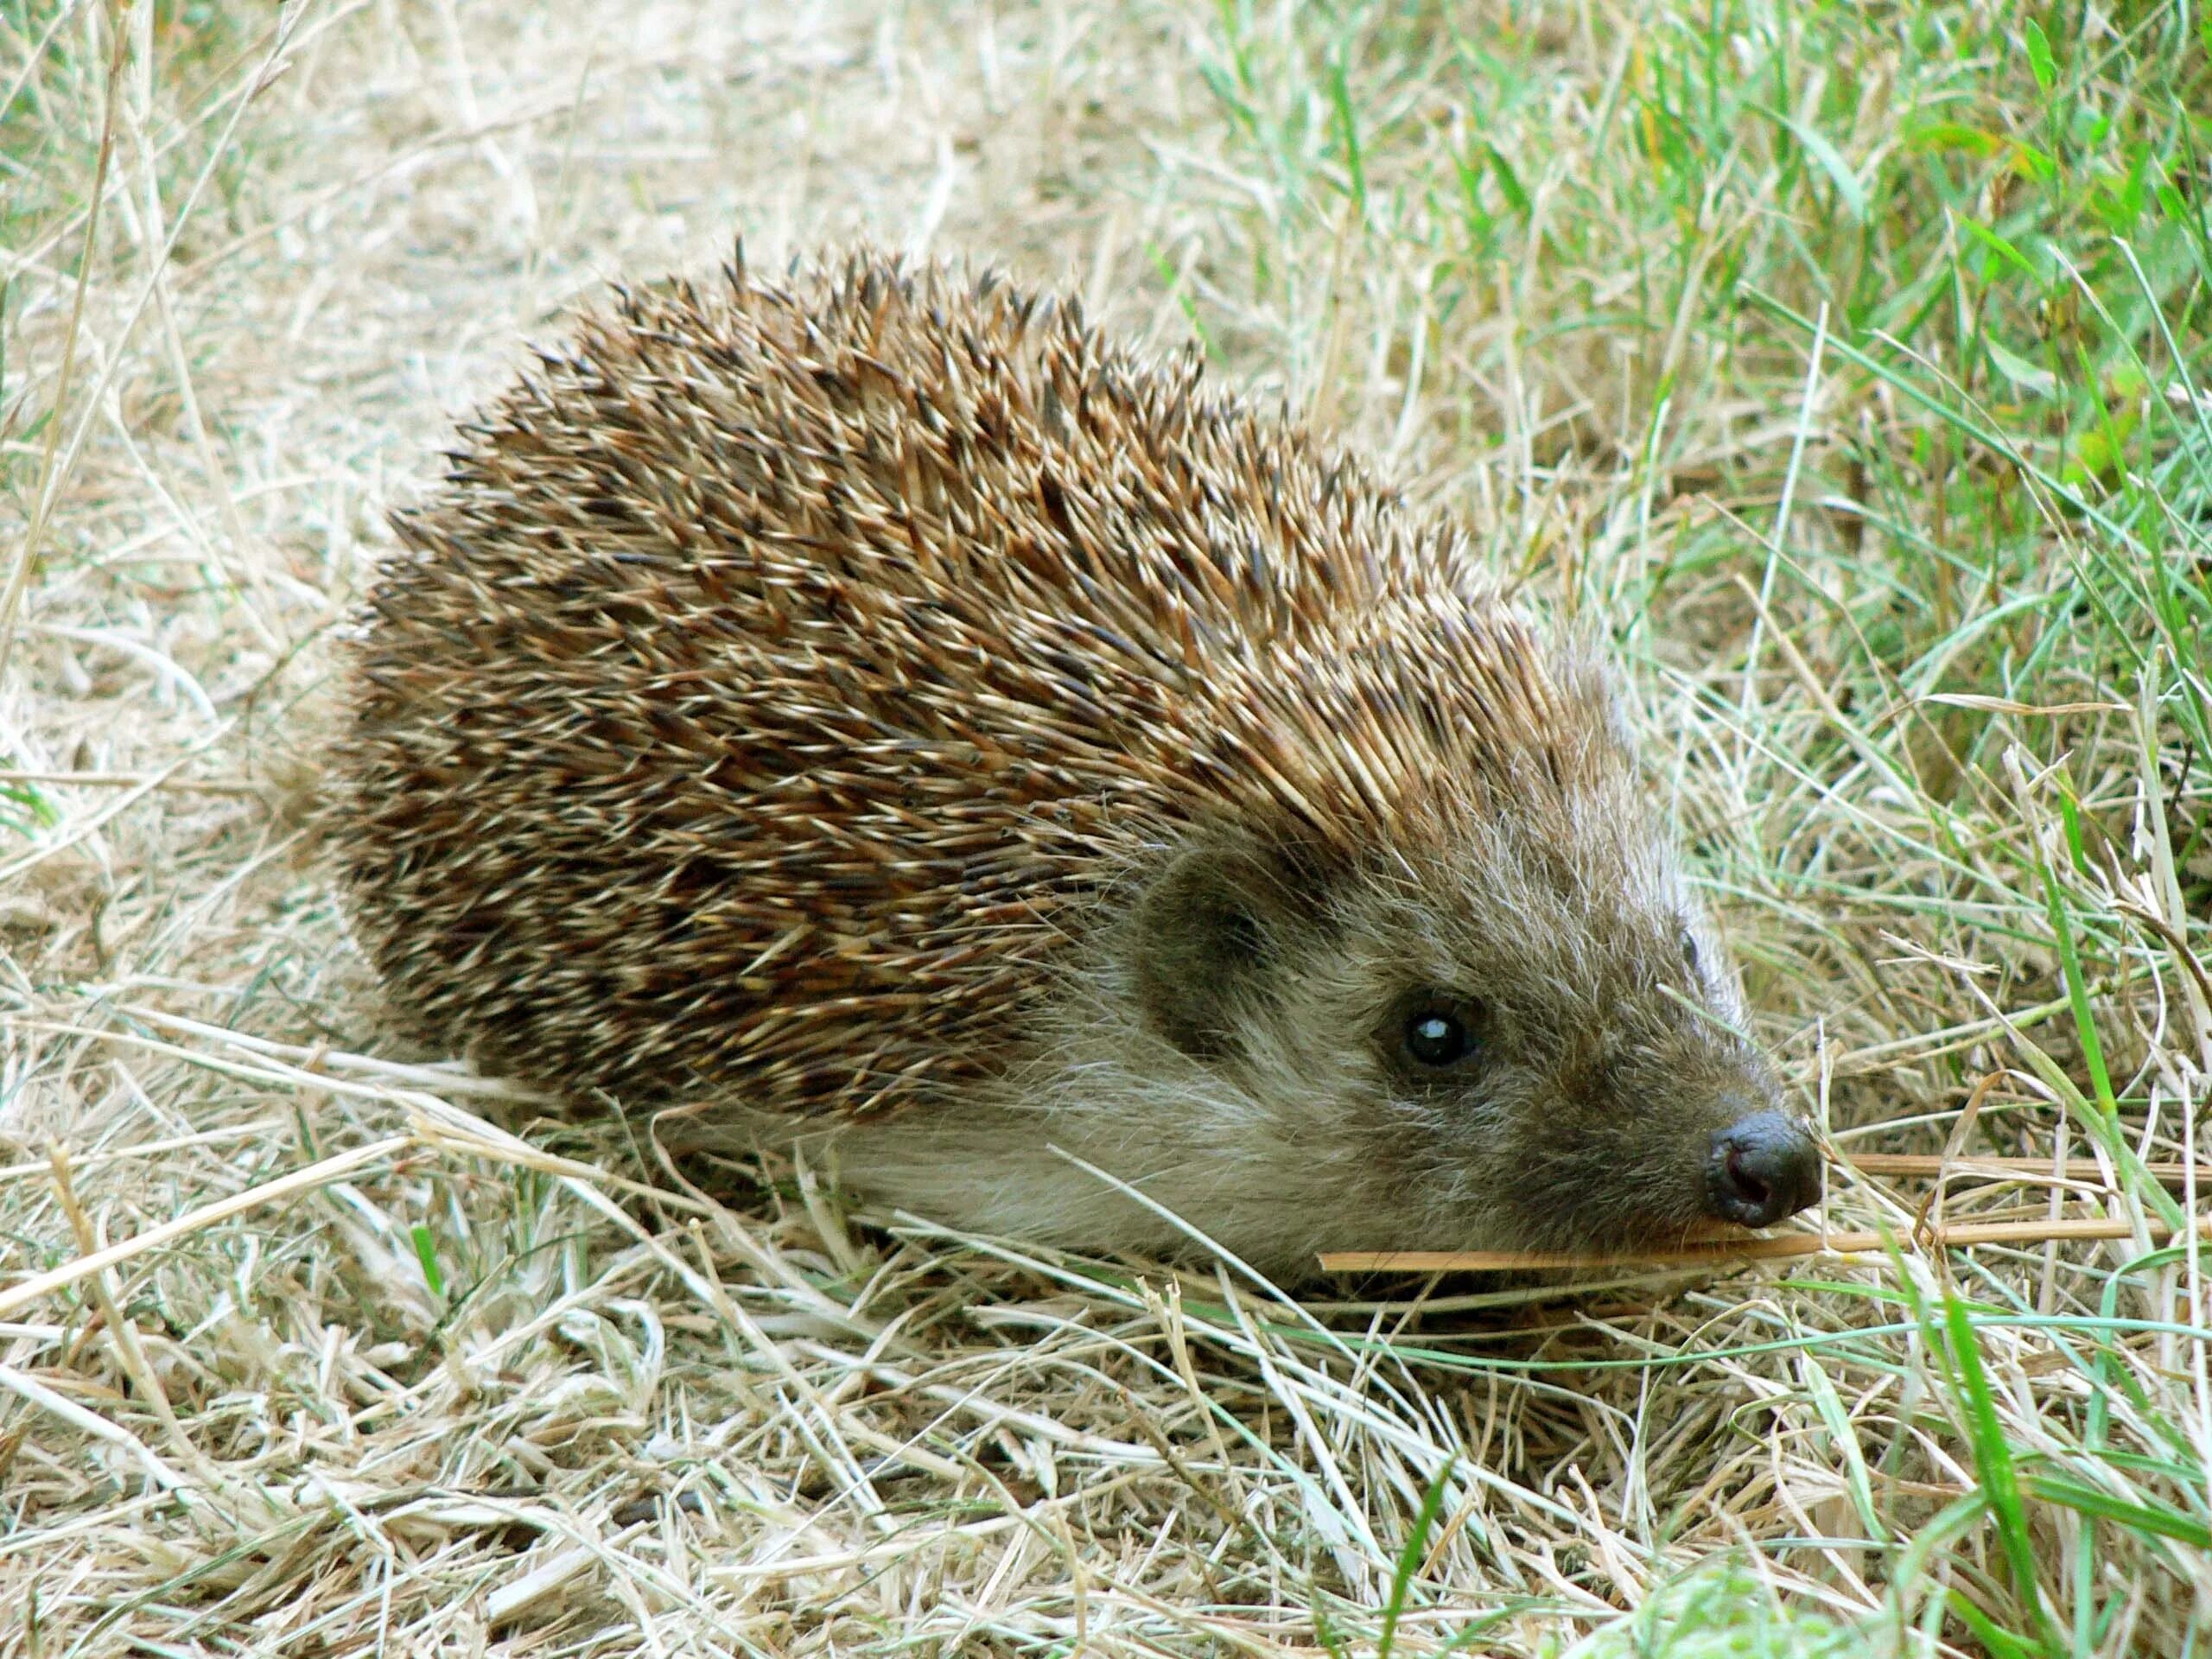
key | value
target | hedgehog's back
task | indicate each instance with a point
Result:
(777, 676)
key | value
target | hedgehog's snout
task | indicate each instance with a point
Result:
(1762, 1168)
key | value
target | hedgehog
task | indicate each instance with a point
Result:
(867, 709)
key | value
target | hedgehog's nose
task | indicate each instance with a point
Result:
(1762, 1168)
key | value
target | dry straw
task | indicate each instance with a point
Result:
(1957, 1236)
(1924, 1235)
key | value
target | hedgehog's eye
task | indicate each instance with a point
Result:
(1689, 951)
(1437, 1032)
(1435, 1039)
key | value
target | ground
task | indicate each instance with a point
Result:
(1841, 367)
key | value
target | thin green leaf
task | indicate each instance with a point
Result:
(1409, 1558)
(1999, 245)
(2039, 60)
(2021, 372)
(1348, 131)
(1507, 180)
(1953, 134)
(1849, 191)
(2001, 1642)
(1993, 1460)
(2085, 1499)
(426, 1252)
(2078, 989)
(1837, 1421)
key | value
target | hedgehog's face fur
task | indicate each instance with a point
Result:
(1515, 1029)
(1531, 1033)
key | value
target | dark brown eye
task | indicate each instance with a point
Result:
(1689, 952)
(1439, 1033)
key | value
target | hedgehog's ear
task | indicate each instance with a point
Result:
(1199, 940)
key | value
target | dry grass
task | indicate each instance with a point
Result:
(1837, 363)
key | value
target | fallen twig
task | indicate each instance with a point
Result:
(2027, 1169)
(1957, 1236)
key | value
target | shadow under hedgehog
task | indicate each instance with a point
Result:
(873, 702)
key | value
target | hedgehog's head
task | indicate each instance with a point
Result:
(1517, 1012)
